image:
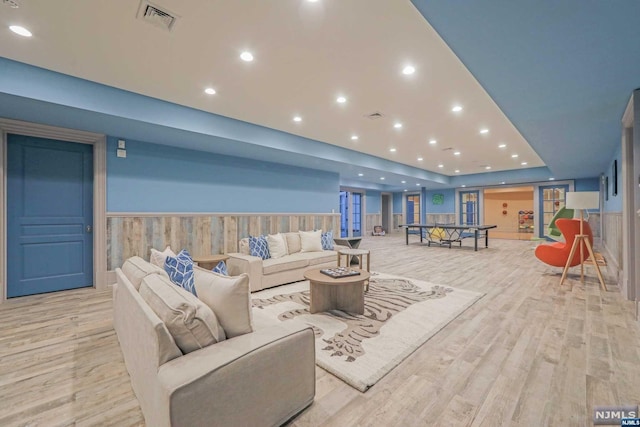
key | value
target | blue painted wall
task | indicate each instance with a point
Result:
(158, 178)
(397, 203)
(587, 184)
(449, 201)
(374, 201)
(614, 204)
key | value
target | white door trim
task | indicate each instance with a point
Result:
(99, 143)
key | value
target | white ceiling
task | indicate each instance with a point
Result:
(306, 55)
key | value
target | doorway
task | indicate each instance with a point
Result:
(387, 213)
(512, 210)
(100, 276)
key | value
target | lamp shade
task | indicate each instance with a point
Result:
(583, 200)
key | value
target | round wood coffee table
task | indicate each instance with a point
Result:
(327, 293)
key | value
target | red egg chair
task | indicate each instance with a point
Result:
(557, 254)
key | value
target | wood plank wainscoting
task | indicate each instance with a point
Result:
(612, 241)
(398, 219)
(370, 221)
(130, 234)
(442, 218)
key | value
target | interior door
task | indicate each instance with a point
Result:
(469, 207)
(552, 198)
(49, 215)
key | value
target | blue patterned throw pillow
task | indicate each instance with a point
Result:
(221, 268)
(180, 271)
(258, 246)
(327, 240)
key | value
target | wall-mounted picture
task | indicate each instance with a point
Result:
(614, 178)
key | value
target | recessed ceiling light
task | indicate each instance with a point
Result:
(552, 179)
(312, 1)
(393, 150)
(397, 125)
(432, 141)
(297, 119)
(456, 153)
(515, 156)
(404, 182)
(21, 31)
(457, 171)
(440, 165)
(354, 137)
(409, 69)
(382, 178)
(456, 109)
(502, 146)
(523, 163)
(210, 91)
(417, 183)
(503, 183)
(406, 189)
(420, 159)
(487, 167)
(341, 99)
(484, 131)
(463, 185)
(246, 56)
(360, 174)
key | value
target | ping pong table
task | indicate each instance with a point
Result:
(447, 234)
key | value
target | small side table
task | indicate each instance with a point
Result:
(209, 261)
(358, 254)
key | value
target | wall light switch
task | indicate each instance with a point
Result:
(121, 144)
(122, 153)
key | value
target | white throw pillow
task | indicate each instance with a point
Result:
(277, 245)
(191, 323)
(229, 298)
(311, 241)
(158, 258)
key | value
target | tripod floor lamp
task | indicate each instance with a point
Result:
(582, 200)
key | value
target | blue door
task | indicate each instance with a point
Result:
(469, 207)
(49, 215)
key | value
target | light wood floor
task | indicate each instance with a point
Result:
(527, 354)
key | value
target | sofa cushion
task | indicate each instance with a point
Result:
(293, 242)
(277, 245)
(291, 262)
(259, 247)
(192, 324)
(229, 298)
(180, 270)
(327, 240)
(323, 257)
(158, 258)
(136, 269)
(311, 241)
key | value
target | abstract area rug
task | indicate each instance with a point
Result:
(400, 315)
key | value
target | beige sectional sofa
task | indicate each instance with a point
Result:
(260, 378)
(278, 271)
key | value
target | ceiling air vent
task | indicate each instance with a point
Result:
(156, 15)
(374, 115)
